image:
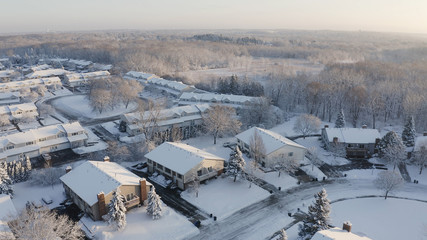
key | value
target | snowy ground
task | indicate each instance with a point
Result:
(50, 121)
(78, 105)
(25, 191)
(363, 173)
(113, 128)
(284, 181)
(414, 172)
(222, 197)
(141, 226)
(30, 125)
(98, 144)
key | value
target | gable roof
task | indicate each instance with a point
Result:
(272, 141)
(337, 234)
(179, 157)
(93, 177)
(47, 73)
(352, 135)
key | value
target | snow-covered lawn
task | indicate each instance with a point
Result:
(383, 219)
(29, 125)
(222, 197)
(78, 105)
(50, 121)
(98, 144)
(414, 172)
(141, 226)
(25, 191)
(113, 128)
(284, 181)
(325, 156)
(363, 173)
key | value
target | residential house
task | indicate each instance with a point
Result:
(29, 83)
(7, 98)
(140, 76)
(182, 163)
(188, 119)
(37, 68)
(277, 148)
(357, 142)
(58, 72)
(7, 209)
(188, 98)
(339, 234)
(74, 64)
(19, 110)
(34, 142)
(420, 142)
(174, 88)
(7, 75)
(91, 186)
(82, 79)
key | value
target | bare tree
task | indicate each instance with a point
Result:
(45, 110)
(128, 91)
(388, 181)
(257, 147)
(42, 223)
(100, 99)
(420, 155)
(313, 154)
(220, 120)
(118, 152)
(176, 134)
(195, 184)
(251, 171)
(307, 124)
(4, 120)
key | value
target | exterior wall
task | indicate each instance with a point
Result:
(297, 153)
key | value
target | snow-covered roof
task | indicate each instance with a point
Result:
(47, 73)
(29, 83)
(6, 73)
(40, 67)
(86, 76)
(216, 98)
(419, 142)
(178, 86)
(93, 177)
(7, 95)
(272, 141)
(13, 108)
(170, 113)
(353, 135)
(179, 157)
(337, 234)
(73, 127)
(140, 75)
(7, 209)
(102, 67)
(80, 62)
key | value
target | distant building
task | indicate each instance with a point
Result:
(91, 186)
(74, 64)
(181, 163)
(140, 76)
(47, 73)
(7, 98)
(188, 119)
(82, 79)
(358, 142)
(35, 142)
(37, 68)
(29, 83)
(188, 98)
(7, 75)
(19, 110)
(277, 147)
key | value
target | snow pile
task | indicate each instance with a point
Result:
(223, 197)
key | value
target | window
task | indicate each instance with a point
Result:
(167, 170)
(10, 147)
(179, 176)
(361, 146)
(28, 143)
(290, 154)
(42, 139)
(74, 134)
(199, 173)
(210, 169)
(149, 161)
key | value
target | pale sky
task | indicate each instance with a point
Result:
(349, 15)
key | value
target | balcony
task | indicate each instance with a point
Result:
(132, 203)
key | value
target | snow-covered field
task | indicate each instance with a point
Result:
(222, 197)
(284, 181)
(25, 191)
(141, 226)
(78, 106)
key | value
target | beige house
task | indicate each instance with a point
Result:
(91, 186)
(276, 146)
(182, 163)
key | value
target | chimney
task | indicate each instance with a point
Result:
(346, 226)
(326, 126)
(68, 169)
(335, 140)
(143, 189)
(106, 159)
(101, 204)
(364, 126)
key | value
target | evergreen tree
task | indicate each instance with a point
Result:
(236, 163)
(408, 134)
(340, 122)
(5, 183)
(283, 235)
(117, 213)
(317, 218)
(391, 148)
(154, 207)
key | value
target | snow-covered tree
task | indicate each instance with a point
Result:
(5, 183)
(286, 164)
(408, 134)
(27, 167)
(252, 170)
(220, 120)
(236, 163)
(389, 139)
(307, 124)
(42, 223)
(4, 120)
(420, 155)
(392, 149)
(257, 147)
(340, 122)
(317, 218)
(283, 235)
(154, 207)
(195, 184)
(117, 212)
(388, 181)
